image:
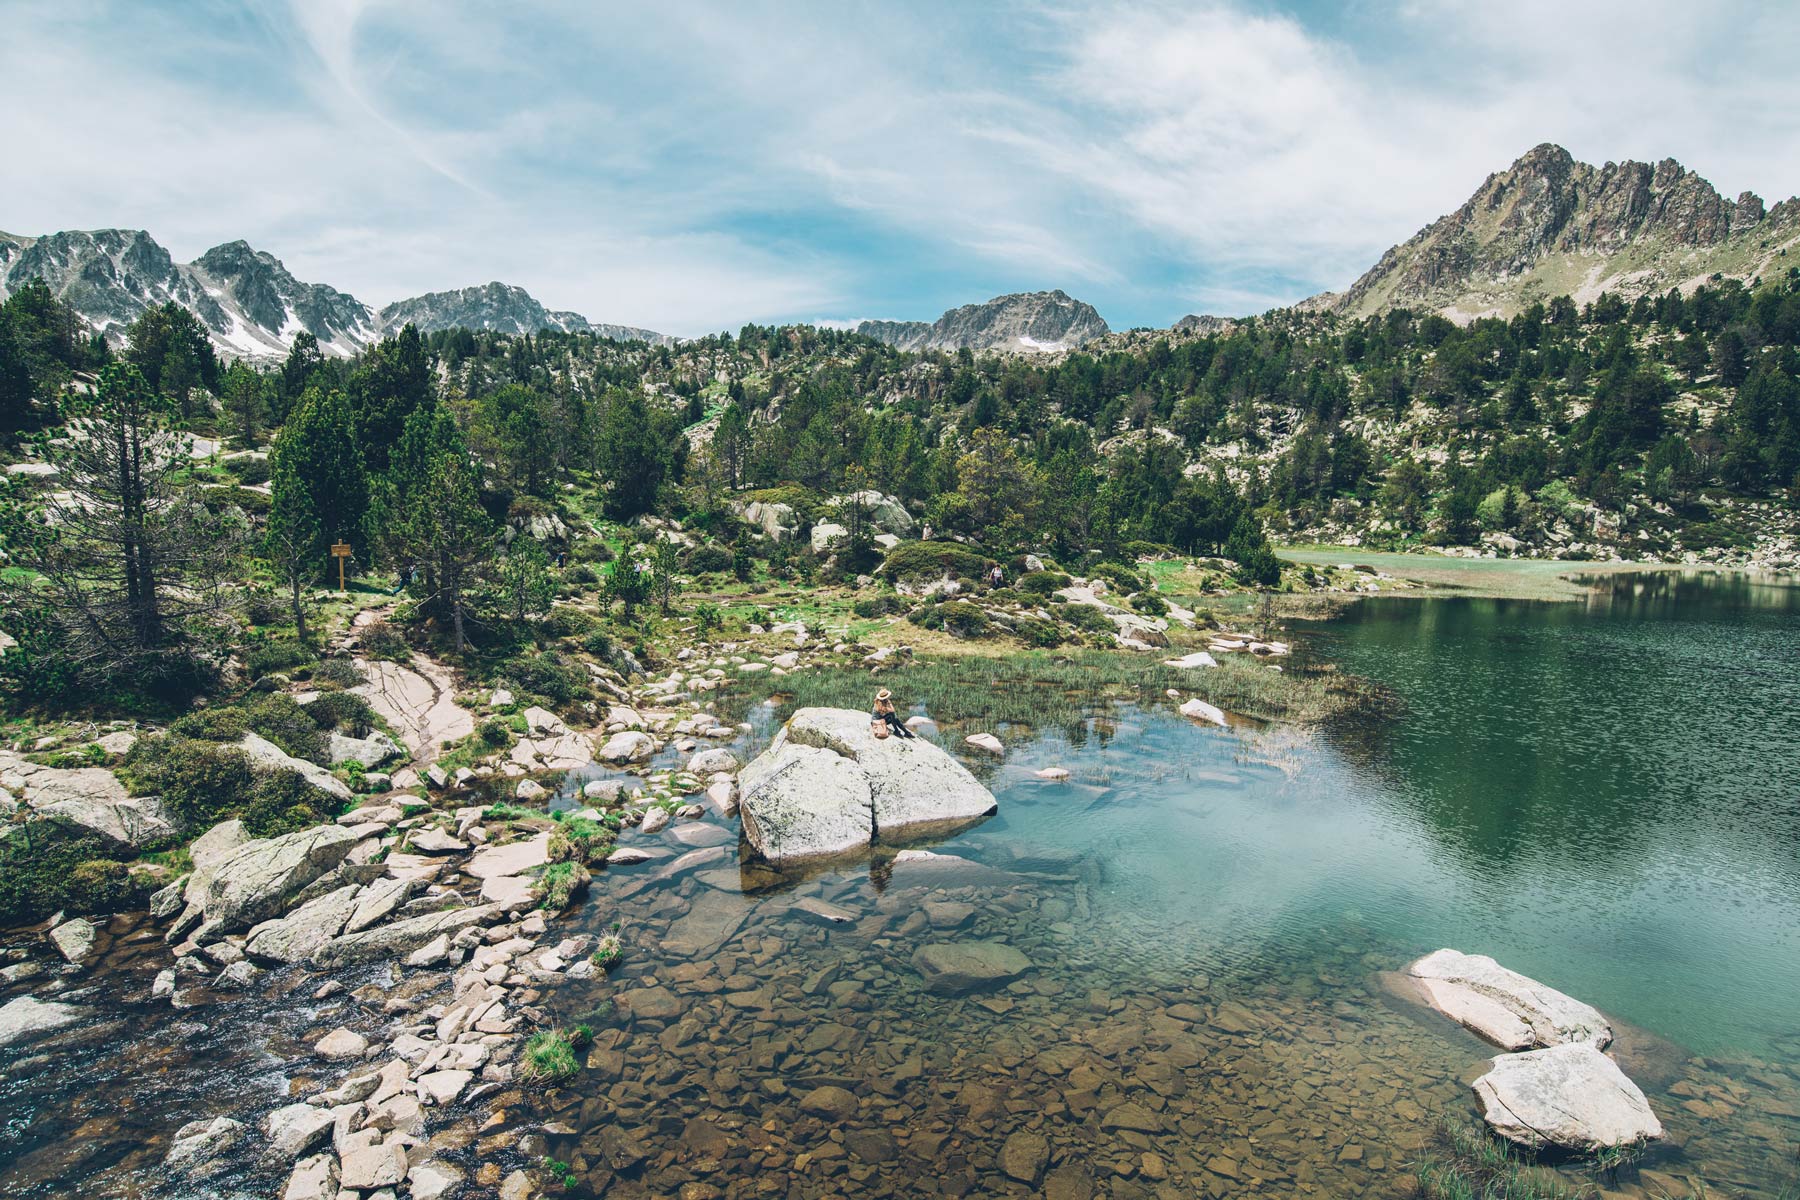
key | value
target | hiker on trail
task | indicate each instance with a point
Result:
(884, 720)
(996, 577)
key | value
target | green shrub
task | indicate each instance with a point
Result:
(285, 722)
(580, 573)
(249, 471)
(883, 605)
(100, 885)
(38, 864)
(608, 953)
(560, 883)
(211, 725)
(961, 619)
(495, 732)
(345, 712)
(1006, 595)
(578, 839)
(708, 558)
(277, 654)
(1150, 604)
(1150, 550)
(565, 620)
(283, 802)
(1034, 631)
(591, 550)
(1042, 583)
(338, 673)
(1121, 578)
(1087, 618)
(264, 607)
(550, 676)
(807, 503)
(917, 561)
(198, 781)
(381, 640)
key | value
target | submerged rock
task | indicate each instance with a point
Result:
(957, 968)
(1570, 1096)
(201, 1142)
(1200, 710)
(826, 785)
(1505, 1007)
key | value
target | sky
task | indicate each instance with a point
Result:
(690, 166)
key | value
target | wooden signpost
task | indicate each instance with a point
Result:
(340, 551)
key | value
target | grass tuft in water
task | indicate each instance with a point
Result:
(560, 883)
(549, 1057)
(1465, 1163)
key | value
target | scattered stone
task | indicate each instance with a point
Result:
(342, 1043)
(1054, 774)
(434, 1179)
(655, 820)
(513, 858)
(296, 1130)
(986, 742)
(628, 746)
(819, 910)
(830, 1102)
(200, 1142)
(74, 939)
(1023, 1156)
(402, 937)
(1199, 710)
(373, 1167)
(433, 840)
(1199, 658)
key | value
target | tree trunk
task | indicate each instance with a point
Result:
(299, 611)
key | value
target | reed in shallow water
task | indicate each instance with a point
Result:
(1044, 688)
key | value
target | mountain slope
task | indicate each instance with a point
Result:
(250, 303)
(1023, 321)
(1549, 225)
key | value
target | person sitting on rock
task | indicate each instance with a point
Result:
(884, 719)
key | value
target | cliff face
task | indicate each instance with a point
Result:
(1550, 225)
(499, 307)
(1024, 321)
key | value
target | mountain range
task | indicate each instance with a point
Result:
(250, 303)
(1546, 226)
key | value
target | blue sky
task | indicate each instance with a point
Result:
(691, 166)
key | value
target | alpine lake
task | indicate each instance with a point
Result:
(1603, 795)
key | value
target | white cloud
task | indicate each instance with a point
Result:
(698, 165)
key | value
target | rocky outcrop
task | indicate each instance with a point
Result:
(1023, 321)
(499, 308)
(1505, 1007)
(402, 937)
(1549, 225)
(776, 521)
(1570, 1096)
(258, 880)
(91, 798)
(826, 785)
(884, 513)
(371, 751)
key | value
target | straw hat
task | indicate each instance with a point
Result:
(884, 694)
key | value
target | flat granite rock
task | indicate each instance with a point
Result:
(1505, 1007)
(1571, 1097)
(957, 968)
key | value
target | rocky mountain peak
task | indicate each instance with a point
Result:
(1020, 321)
(1551, 225)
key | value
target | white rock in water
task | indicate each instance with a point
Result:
(987, 742)
(23, 1016)
(1054, 774)
(1570, 1096)
(1505, 1007)
(1198, 658)
(74, 939)
(629, 746)
(655, 820)
(826, 785)
(1200, 710)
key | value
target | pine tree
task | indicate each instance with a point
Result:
(130, 566)
(524, 577)
(319, 456)
(294, 534)
(246, 406)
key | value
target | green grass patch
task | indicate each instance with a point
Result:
(549, 1057)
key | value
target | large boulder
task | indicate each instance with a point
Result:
(207, 851)
(883, 512)
(913, 784)
(1505, 1007)
(826, 535)
(957, 968)
(269, 756)
(258, 880)
(371, 751)
(778, 522)
(804, 802)
(827, 785)
(628, 746)
(1570, 1096)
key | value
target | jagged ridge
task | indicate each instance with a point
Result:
(1020, 321)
